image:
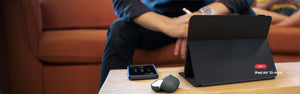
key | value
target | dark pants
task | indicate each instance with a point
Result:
(123, 39)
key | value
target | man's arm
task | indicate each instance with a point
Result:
(237, 6)
(218, 8)
(134, 10)
(181, 44)
(292, 21)
(173, 27)
(129, 9)
(222, 7)
(177, 27)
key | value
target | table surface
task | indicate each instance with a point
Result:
(287, 82)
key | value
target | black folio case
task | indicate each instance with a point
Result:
(225, 49)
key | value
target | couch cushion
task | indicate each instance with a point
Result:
(77, 13)
(72, 46)
(285, 40)
(87, 46)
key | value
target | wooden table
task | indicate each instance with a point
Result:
(288, 82)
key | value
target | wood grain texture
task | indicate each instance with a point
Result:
(288, 82)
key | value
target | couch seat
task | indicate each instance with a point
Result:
(72, 46)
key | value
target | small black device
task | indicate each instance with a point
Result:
(139, 72)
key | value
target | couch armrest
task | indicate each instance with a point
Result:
(22, 26)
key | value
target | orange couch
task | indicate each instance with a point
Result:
(56, 46)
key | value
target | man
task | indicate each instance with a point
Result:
(152, 24)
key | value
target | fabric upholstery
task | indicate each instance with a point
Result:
(22, 29)
(33, 24)
(77, 13)
(84, 46)
(65, 58)
(72, 46)
(4, 70)
(87, 46)
(278, 58)
(285, 40)
(71, 79)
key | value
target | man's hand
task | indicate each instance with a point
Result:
(178, 27)
(180, 47)
(174, 27)
(181, 43)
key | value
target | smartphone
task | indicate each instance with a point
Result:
(139, 72)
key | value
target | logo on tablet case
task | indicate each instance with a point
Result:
(260, 66)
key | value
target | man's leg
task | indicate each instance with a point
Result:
(153, 40)
(123, 39)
